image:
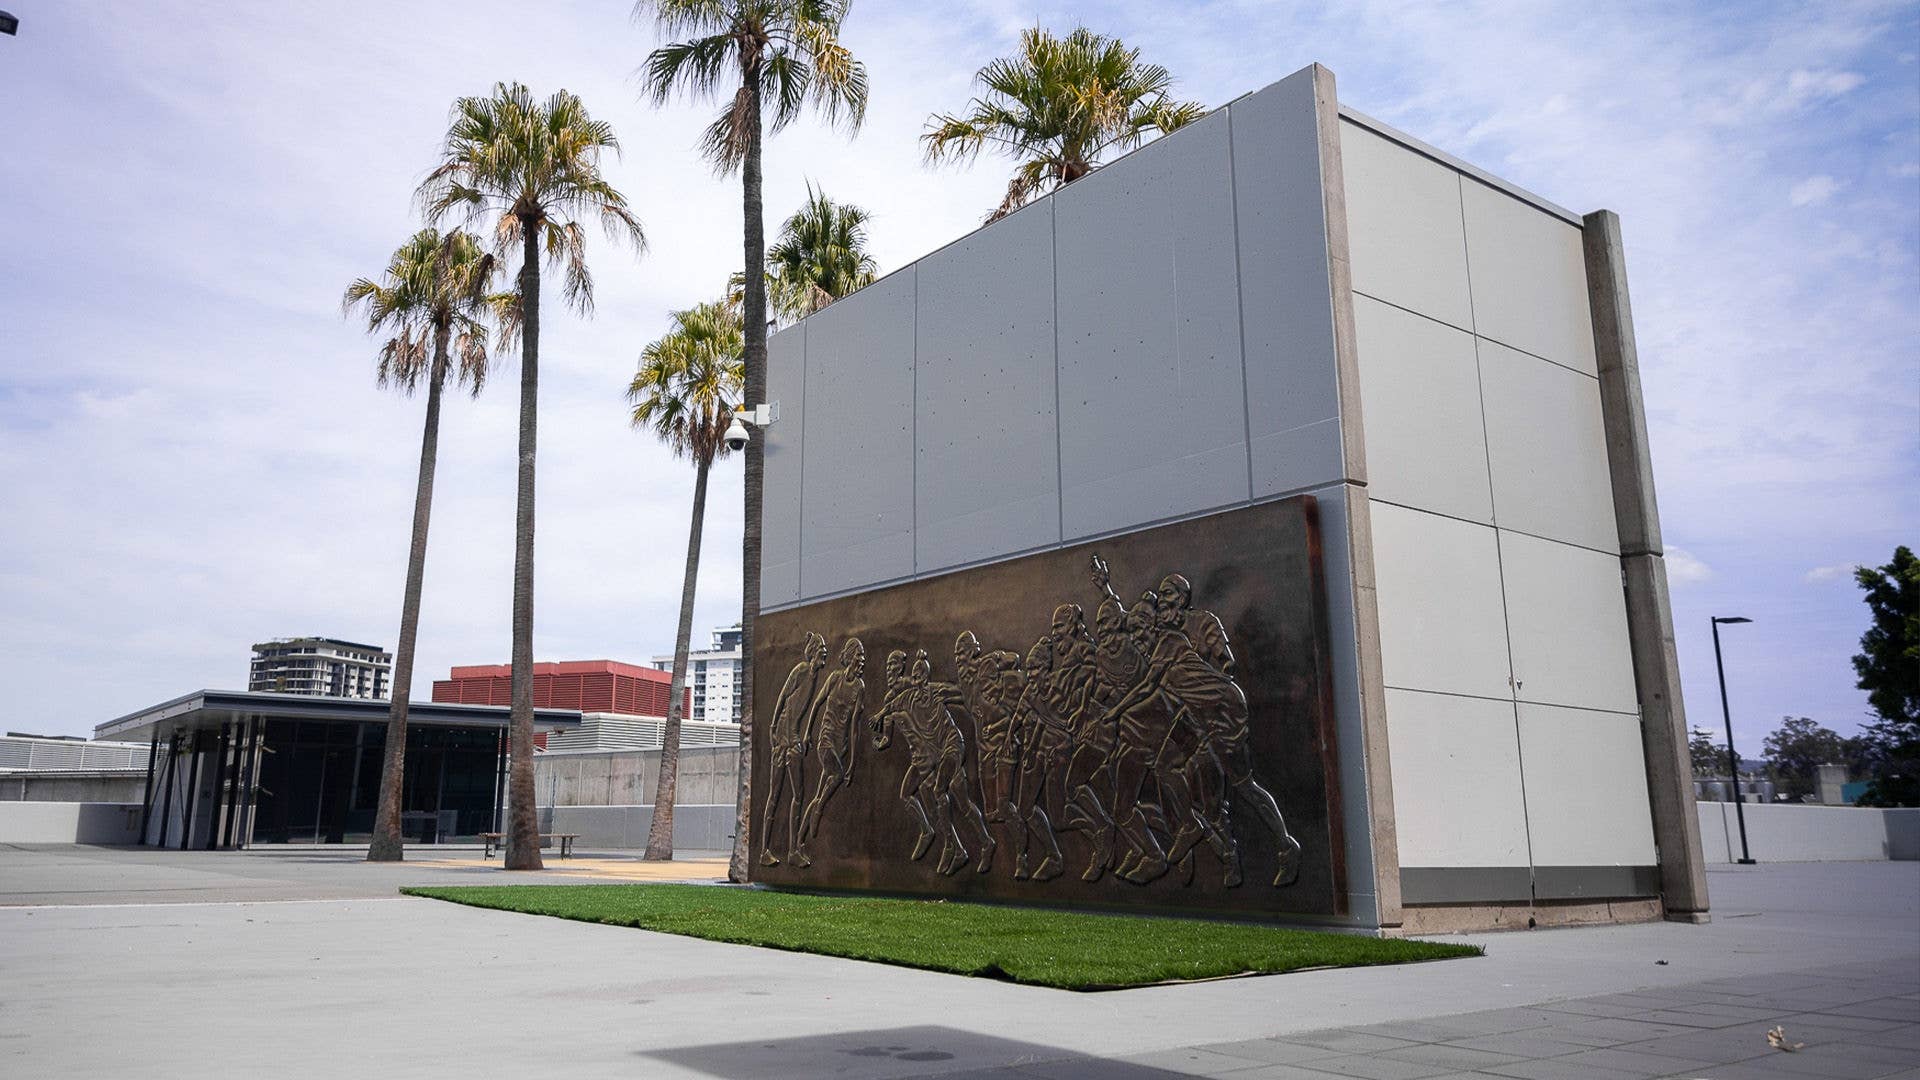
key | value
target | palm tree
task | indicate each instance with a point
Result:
(435, 289)
(534, 168)
(685, 391)
(1059, 106)
(820, 257)
(786, 53)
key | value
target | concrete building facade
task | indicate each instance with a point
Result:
(321, 666)
(1285, 299)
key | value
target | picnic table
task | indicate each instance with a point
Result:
(499, 840)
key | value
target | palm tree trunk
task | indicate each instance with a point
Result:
(523, 819)
(386, 845)
(660, 830)
(755, 316)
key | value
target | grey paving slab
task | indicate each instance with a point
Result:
(1272, 1051)
(1626, 1059)
(414, 980)
(1190, 1061)
(1352, 1042)
(1556, 1069)
(1455, 1057)
(1377, 1067)
(1530, 1044)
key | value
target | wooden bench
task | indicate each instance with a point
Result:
(499, 840)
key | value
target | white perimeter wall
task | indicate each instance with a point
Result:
(1511, 709)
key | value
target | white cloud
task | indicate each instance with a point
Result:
(1820, 575)
(1813, 190)
(1806, 86)
(1684, 569)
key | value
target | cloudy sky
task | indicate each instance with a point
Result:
(194, 457)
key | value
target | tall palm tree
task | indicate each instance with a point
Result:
(785, 54)
(431, 300)
(820, 257)
(534, 168)
(685, 392)
(1058, 106)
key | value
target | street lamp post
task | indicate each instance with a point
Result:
(1733, 757)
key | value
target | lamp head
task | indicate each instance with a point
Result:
(1731, 619)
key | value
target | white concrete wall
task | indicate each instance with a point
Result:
(1152, 342)
(696, 826)
(1512, 714)
(1788, 832)
(69, 823)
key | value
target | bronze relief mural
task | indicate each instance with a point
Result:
(1170, 750)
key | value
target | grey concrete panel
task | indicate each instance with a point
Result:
(1567, 619)
(1546, 449)
(1426, 444)
(856, 525)
(780, 503)
(1456, 782)
(1441, 624)
(1529, 278)
(1151, 389)
(1593, 814)
(987, 443)
(1285, 291)
(1404, 227)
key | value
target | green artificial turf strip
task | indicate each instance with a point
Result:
(1066, 949)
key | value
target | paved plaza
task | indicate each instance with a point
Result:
(305, 963)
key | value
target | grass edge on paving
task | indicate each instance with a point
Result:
(1063, 949)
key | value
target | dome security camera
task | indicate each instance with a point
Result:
(737, 435)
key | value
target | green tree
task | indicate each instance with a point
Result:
(1059, 106)
(532, 170)
(685, 392)
(1795, 751)
(431, 301)
(1708, 759)
(821, 256)
(1888, 667)
(768, 60)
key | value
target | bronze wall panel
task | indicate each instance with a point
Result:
(1142, 737)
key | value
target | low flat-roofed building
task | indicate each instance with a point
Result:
(230, 768)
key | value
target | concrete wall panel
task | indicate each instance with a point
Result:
(857, 510)
(1293, 400)
(1151, 386)
(780, 504)
(1546, 443)
(1404, 228)
(1426, 444)
(1456, 781)
(1529, 278)
(1586, 785)
(988, 454)
(1567, 618)
(1441, 624)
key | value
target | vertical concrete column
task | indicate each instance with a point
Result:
(1384, 838)
(1656, 670)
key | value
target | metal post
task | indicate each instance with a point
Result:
(215, 773)
(146, 801)
(166, 802)
(233, 783)
(193, 790)
(1733, 758)
(256, 733)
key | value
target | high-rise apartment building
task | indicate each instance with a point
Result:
(323, 667)
(713, 677)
